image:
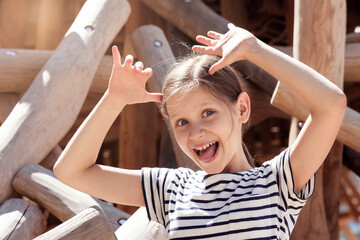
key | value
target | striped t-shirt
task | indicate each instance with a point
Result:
(256, 204)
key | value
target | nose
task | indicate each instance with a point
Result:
(196, 132)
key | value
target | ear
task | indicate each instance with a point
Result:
(243, 106)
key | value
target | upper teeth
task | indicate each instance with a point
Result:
(205, 146)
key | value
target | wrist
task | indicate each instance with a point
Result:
(114, 101)
(254, 47)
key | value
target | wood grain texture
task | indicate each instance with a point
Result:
(41, 185)
(50, 106)
(160, 58)
(90, 224)
(323, 49)
(7, 103)
(349, 133)
(19, 219)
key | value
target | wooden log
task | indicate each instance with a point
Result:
(138, 119)
(353, 37)
(7, 103)
(138, 226)
(88, 224)
(41, 185)
(19, 67)
(55, 98)
(317, 50)
(349, 133)
(19, 219)
(152, 48)
(352, 60)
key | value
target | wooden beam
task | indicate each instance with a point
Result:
(19, 67)
(89, 224)
(19, 219)
(41, 185)
(349, 133)
(50, 106)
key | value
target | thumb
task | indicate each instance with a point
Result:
(217, 66)
(153, 97)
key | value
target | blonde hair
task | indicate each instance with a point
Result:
(191, 72)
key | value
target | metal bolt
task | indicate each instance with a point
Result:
(10, 53)
(121, 221)
(89, 28)
(157, 43)
(300, 124)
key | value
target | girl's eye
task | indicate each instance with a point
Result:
(208, 113)
(182, 122)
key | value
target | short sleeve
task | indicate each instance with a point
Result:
(291, 201)
(153, 182)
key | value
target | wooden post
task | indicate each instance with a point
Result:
(138, 226)
(324, 51)
(50, 106)
(19, 219)
(152, 48)
(41, 185)
(88, 224)
(235, 11)
(138, 119)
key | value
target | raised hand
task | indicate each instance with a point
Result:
(127, 81)
(231, 46)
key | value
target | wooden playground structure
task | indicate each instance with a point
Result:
(55, 64)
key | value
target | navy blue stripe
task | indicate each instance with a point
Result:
(163, 191)
(152, 194)
(213, 224)
(193, 184)
(158, 191)
(292, 219)
(283, 198)
(254, 172)
(225, 212)
(287, 225)
(206, 236)
(144, 193)
(222, 190)
(236, 181)
(237, 200)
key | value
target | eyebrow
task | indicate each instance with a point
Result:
(176, 115)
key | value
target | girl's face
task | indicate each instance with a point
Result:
(209, 131)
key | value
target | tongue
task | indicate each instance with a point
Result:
(207, 153)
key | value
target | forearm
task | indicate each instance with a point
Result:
(82, 150)
(304, 82)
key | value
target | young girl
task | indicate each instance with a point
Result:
(207, 110)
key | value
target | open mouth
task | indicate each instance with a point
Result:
(207, 152)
